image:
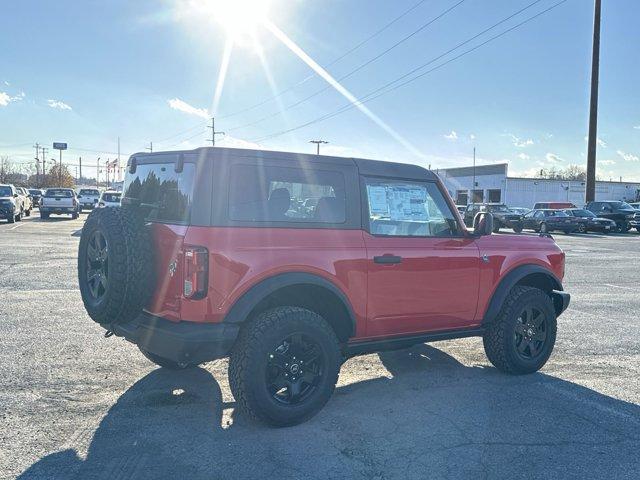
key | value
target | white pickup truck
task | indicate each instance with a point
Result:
(60, 201)
(88, 198)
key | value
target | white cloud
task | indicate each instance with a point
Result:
(553, 158)
(523, 156)
(629, 157)
(637, 127)
(6, 99)
(472, 137)
(519, 142)
(451, 136)
(183, 106)
(234, 142)
(7, 83)
(606, 162)
(60, 105)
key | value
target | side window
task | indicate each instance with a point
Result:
(259, 193)
(539, 214)
(399, 208)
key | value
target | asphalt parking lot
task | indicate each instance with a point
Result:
(77, 405)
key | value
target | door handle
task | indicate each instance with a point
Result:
(387, 259)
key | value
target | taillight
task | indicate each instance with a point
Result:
(196, 272)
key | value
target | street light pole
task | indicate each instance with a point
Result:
(317, 142)
(593, 107)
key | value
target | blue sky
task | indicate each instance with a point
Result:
(147, 71)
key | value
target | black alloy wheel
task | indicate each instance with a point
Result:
(543, 228)
(530, 333)
(582, 228)
(294, 369)
(97, 265)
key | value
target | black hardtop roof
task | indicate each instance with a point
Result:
(364, 166)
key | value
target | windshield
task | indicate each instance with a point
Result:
(498, 208)
(86, 191)
(35, 192)
(5, 192)
(582, 213)
(59, 193)
(556, 213)
(621, 205)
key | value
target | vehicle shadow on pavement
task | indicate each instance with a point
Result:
(435, 418)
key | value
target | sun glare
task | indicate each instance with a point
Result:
(239, 17)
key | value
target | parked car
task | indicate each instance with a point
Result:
(59, 201)
(36, 194)
(503, 217)
(553, 205)
(88, 198)
(11, 204)
(546, 220)
(289, 298)
(620, 212)
(635, 205)
(26, 200)
(110, 198)
(589, 222)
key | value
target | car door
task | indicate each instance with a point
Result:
(423, 267)
(528, 220)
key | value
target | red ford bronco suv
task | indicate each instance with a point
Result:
(218, 253)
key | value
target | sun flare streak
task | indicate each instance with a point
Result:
(291, 45)
(222, 74)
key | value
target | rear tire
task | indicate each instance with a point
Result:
(517, 228)
(74, 216)
(165, 362)
(44, 216)
(582, 228)
(11, 219)
(543, 228)
(512, 341)
(19, 216)
(269, 382)
(27, 213)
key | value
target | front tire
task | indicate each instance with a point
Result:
(582, 228)
(521, 338)
(284, 366)
(27, 213)
(517, 228)
(44, 216)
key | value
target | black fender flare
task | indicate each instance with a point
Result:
(510, 280)
(241, 309)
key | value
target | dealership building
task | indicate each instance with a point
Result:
(492, 184)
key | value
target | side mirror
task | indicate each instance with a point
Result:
(15, 195)
(483, 223)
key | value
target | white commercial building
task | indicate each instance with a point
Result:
(493, 185)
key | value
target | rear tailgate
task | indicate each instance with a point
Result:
(62, 199)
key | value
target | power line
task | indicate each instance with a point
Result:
(333, 62)
(355, 70)
(388, 86)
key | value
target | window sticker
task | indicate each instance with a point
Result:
(378, 206)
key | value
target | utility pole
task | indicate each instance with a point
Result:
(118, 167)
(44, 161)
(593, 106)
(213, 131)
(317, 142)
(80, 163)
(473, 190)
(37, 147)
(150, 147)
(98, 174)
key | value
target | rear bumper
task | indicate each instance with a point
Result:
(187, 342)
(59, 210)
(560, 300)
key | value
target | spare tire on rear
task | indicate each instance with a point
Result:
(115, 265)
